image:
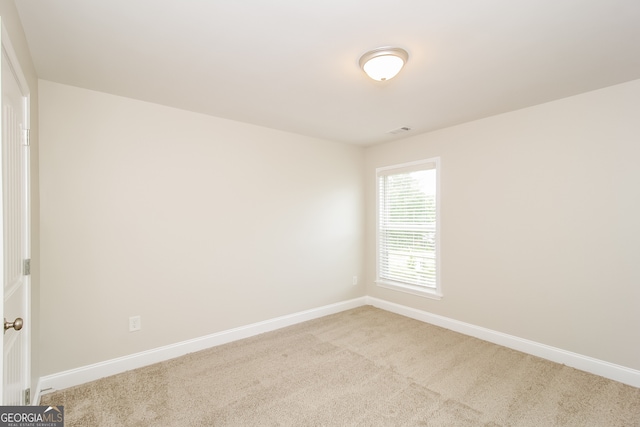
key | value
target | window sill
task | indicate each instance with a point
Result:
(414, 290)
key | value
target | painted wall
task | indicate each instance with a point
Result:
(195, 223)
(540, 222)
(200, 224)
(11, 21)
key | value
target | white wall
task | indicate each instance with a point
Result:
(201, 224)
(10, 20)
(540, 222)
(197, 224)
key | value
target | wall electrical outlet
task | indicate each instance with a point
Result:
(135, 323)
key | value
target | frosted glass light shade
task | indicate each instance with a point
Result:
(383, 63)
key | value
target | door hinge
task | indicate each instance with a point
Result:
(27, 396)
(27, 137)
(26, 267)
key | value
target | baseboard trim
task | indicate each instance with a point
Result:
(584, 363)
(73, 377)
(96, 371)
(35, 396)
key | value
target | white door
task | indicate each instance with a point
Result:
(15, 230)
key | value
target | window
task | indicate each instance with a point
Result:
(408, 237)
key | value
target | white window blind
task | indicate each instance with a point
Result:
(407, 226)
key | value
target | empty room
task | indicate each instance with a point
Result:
(322, 213)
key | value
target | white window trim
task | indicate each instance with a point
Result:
(435, 293)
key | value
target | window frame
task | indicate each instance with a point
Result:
(423, 291)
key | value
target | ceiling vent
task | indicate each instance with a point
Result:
(403, 129)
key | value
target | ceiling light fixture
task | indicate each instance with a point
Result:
(383, 63)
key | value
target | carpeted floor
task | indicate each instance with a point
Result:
(362, 367)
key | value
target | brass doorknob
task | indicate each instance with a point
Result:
(16, 324)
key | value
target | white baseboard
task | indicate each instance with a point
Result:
(96, 371)
(584, 363)
(35, 396)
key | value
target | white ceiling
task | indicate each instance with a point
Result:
(293, 65)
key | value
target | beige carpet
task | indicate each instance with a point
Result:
(362, 367)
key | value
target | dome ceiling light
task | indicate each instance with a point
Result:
(383, 63)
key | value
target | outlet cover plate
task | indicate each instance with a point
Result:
(135, 323)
